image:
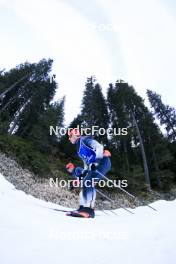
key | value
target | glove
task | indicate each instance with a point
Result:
(70, 167)
(78, 171)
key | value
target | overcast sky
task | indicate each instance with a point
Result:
(111, 39)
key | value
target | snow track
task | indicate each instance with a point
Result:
(30, 232)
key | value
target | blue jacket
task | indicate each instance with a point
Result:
(89, 150)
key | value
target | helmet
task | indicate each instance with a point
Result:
(74, 131)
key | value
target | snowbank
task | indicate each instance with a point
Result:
(31, 232)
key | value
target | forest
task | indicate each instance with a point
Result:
(145, 156)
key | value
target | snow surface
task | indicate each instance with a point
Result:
(31, 232)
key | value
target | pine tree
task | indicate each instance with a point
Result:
(40, 132)
(94, 108)
(26, 107)
(127, 109)
(38, 95)
(165, 113)
(14, 91)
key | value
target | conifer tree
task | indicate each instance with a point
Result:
(127, 109)
(94, 108)
(165, 113)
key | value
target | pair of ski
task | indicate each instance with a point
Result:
(74, 213)
(78, 214)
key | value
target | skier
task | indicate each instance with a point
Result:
(95, 160)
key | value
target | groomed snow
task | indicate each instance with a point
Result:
(32, 233)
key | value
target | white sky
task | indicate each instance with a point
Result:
(132, 40)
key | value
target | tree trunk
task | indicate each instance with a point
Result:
(126, 156)
(16, 96)
(13, 85)
(16, 119)
(146, 171)
(5, 106)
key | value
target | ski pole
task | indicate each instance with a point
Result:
(108, 198)
(104, 212)
(131, 195)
